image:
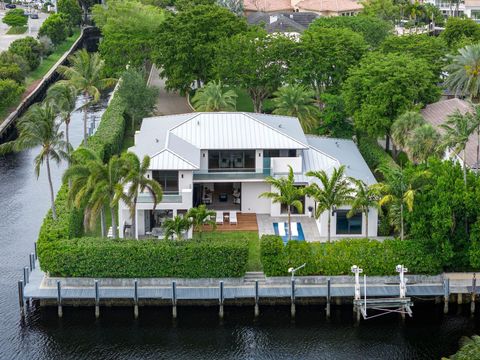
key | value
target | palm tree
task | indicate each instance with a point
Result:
(464, 71)
(458, 128)
(330, 192)
(398, 191)
(287, 194)
(212, 97)
(403, 126)
(423, 142)
(176, 227)
(39, 128)
(366, 197)
(298, 101)
(85, 73)
(63, 96)
(138, 181)
(201, 216)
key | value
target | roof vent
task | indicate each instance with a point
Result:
(156, 140)
(198, 122)
(336, 143)
(280, 126)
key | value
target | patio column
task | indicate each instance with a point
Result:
(136, 223)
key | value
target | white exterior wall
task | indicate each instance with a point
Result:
(251, 203)
(280, 165)
(259, 160)
(322, 224)
(204, 160)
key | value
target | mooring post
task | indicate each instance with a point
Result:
(220, 300)
(35, 248)
(257, 308)
(59, 299)
(446, 294)
(292, 307)
(135, 299)
(328, 298)
(97, 300)
(33, 260)
(21, 298)
(30, 262)
(174, 299)
(474, 294)
(26, 277)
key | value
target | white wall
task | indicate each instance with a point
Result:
(280, 165)
(322, 224)
(204, 160)
(259, 160)
(250, 201)
(185, 180)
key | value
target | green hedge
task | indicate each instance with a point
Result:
(94, 257)
(336, 258)
(374, 155)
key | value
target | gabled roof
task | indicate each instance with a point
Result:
(280, 22)
(268, 5)
(168, 160)
(329, 5)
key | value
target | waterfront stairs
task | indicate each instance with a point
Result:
(251, 276)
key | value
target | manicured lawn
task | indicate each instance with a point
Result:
(17, 30)
(52, 59)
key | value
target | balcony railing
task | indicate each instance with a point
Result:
(206, 175)
(168, 197)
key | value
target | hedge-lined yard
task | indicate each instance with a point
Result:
(336, 258)
(96, 257)
(374, 155)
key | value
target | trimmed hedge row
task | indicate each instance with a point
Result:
(336, 258)
(374, 155)
(94, 257)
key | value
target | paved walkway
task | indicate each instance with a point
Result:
(6, 40)
(168, 103)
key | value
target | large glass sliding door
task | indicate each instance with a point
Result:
(231, 160)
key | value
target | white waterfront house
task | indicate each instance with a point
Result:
(221, 159)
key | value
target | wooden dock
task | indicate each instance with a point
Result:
(245, 222)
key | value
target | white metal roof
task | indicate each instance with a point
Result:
(168, 160)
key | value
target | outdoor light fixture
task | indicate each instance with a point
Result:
(293, 270)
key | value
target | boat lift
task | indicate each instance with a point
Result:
(400, 305)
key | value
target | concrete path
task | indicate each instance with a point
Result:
(168, 103)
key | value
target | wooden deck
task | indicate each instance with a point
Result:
(246, 222)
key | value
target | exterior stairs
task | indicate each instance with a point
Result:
(251, 276)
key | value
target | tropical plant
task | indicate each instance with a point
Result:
(85, 73)
(298, 101)
(138, 181)
(464, 71)
(365, 197)
(458, 128)
(175, 228)
(63, 96)
(398, 192)
(330, 192)
(287, 194)
(212, 97)
(38, 128)
(469, 349)
(403, 126)
(201, 216)
(423, 142)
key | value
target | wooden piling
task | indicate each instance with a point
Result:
(220, 300)
(256, 309)
(21, 298)
(174, 299)
(474, 295)
(446, 295)
(292, 306)
(135, 299)
(97, 300)
(59, 299)
(459, 299)
(328, 298)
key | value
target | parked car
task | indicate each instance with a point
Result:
(11, 6)
(33, 16)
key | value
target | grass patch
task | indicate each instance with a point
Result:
(17, 30)
(52, 59)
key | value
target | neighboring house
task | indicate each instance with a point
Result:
(437, 113)
(448, 8)
(293, 22)
(472, 9)
(320, 7)
(222, 159)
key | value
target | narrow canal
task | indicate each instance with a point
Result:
(197, 333)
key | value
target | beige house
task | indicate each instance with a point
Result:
(320, 7)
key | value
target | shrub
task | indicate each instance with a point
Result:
(71, 11)
(12, 72)
(15, 17)
(375, 257)
(374, 155)
(29, 49)
(55, 27)
(93, 257)
(9, 93)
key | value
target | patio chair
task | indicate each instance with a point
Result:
(281, 229)
(294, 228)
(233, 217)
(219, 218)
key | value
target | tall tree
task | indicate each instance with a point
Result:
(254, 61)
(38, 128)
(189, 39)
(287, 193)
(298, 101)
(71, 10)
(364, 197)
(138, 181)
(464, 72)
(423, 143)
(458, 29)
(384, 86)
(201, 216)
(331, 191)
(55, 28)
(213, 97)
(85, 73)
(63, 96)
(404, 125)
(139, 98)
(383, 9)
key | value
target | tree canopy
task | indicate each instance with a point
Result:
(15, 17)
(55, 27)
(29, 49)
(457, 30)
(71, 11)
(188, 43)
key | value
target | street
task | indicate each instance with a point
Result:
(6, 40)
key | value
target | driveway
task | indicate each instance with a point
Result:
(6, 40)
(168, 103)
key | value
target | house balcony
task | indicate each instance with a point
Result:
(168, 198)
(211, 175)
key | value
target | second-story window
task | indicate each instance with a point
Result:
(167, 179)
